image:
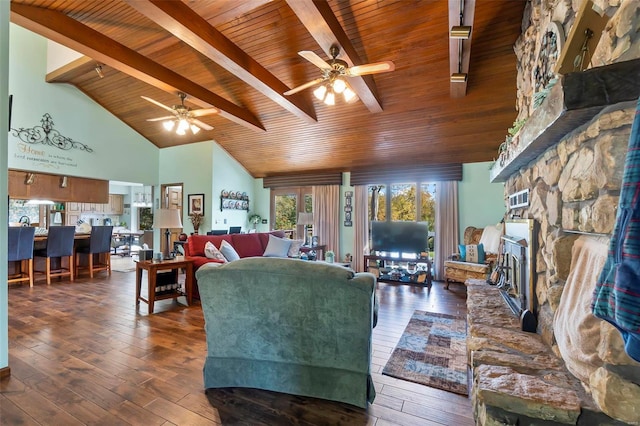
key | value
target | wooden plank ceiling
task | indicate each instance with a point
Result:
(240, 56)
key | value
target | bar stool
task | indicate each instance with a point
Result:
(99, 243)
(20, 249)
(59, 245)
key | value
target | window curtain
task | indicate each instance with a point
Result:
(361, 227)
(446, 240)
(326, 216)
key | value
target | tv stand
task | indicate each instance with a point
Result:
(395, 269)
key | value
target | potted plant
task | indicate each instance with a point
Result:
(329, 256)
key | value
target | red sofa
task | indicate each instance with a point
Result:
(247, 245)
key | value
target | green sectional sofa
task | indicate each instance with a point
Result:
(290, 326)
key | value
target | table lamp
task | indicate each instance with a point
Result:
(305, 219)
(167, 218)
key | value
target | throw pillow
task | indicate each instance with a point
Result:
(294, 249)
(473, 253)
(229, 252)
(211, 252)
(490, 238)
(277, 247)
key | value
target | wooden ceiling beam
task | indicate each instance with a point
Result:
(324, 27)
(62, 29)
(71, 70)
(185, 24)
(459, 49)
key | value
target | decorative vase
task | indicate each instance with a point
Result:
(329, 258)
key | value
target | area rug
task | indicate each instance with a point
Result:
(122, 264)
(433, 352)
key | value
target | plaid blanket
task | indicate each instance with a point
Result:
(616, 298)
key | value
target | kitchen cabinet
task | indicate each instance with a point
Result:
(73, 207)
(92, 208)
(72, 219)
(27, 185)
(116, 204)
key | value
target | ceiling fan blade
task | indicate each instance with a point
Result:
(315, 59)
(375, 68)
(168, 117)
(203, 126)
(157, 103)
(204, 111)
(304, 86)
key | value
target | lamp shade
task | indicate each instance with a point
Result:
(167, 218)
(305, 218)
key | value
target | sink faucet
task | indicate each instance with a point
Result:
(24, 220)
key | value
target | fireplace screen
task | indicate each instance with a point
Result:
(514, 267)
(518, 261)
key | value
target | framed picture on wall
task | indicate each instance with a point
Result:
(196, 204)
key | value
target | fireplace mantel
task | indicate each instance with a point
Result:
(572, 102)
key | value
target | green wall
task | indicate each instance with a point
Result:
(480, 202)
(206, 168)
(4, 113)
(262, 204)
(189, 165)
(119, 153)
(230, 175)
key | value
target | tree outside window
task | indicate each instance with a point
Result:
(286, 203)
(286, 211)
(403, 202)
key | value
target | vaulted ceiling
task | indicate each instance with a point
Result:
(241, 56)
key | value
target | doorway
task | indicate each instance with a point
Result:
(171, 198)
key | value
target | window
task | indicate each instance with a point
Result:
(377, 202)
(404, 202)
(286, 203)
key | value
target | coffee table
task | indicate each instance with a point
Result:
(152, 268)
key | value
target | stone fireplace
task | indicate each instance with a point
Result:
(569, 156)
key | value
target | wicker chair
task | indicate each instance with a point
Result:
(459, 271)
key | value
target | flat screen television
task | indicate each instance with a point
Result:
(403, 237)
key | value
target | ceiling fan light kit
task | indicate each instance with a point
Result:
(183, 117)
(460, 32)
(335, 74)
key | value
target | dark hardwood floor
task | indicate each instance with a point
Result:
(79, 353)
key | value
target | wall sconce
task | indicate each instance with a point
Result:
(30, 179)
(64, 182)
(459, 77)
(461, 32)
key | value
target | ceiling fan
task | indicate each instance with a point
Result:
(183, 116)
(333, 76)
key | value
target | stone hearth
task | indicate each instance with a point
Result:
(517, 377)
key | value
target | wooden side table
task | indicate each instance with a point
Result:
(152, 269)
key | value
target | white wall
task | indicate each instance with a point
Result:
(59, 55)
